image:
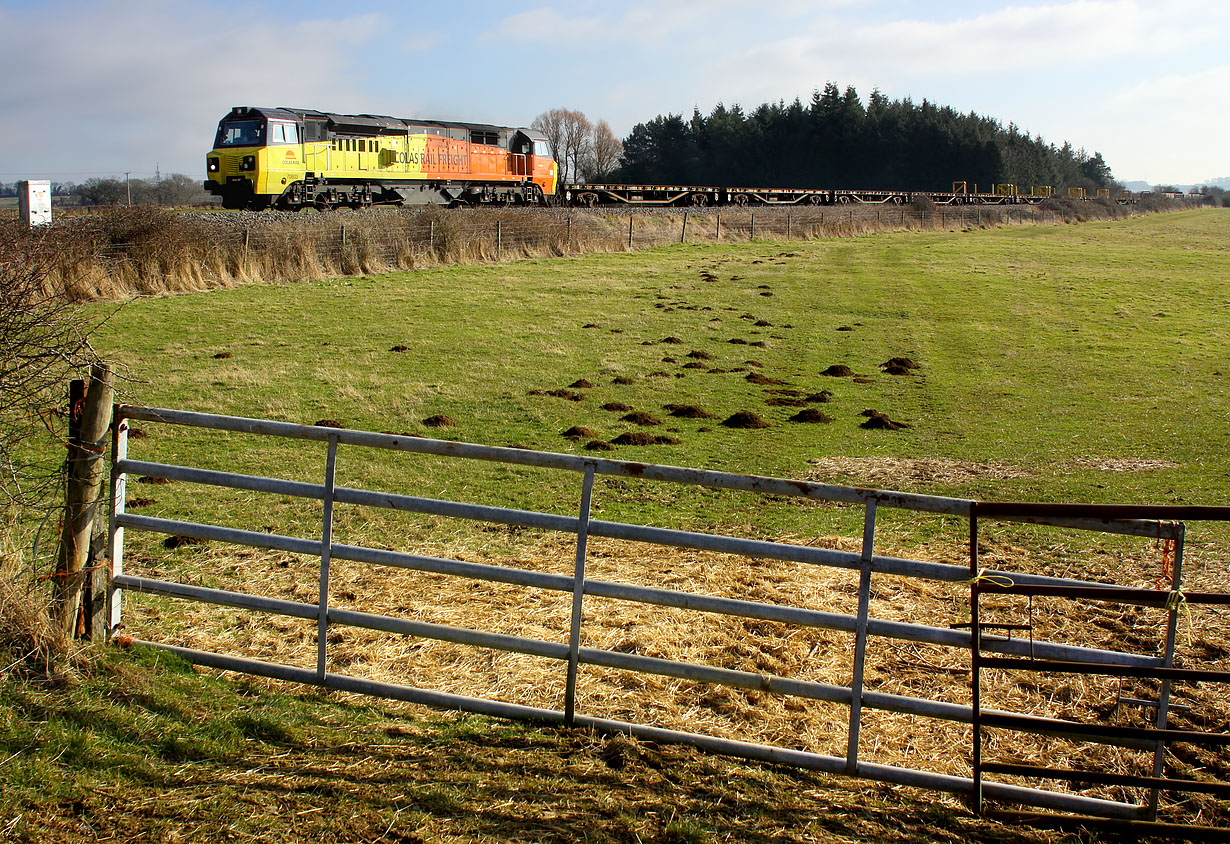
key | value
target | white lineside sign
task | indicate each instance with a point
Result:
(34, 202)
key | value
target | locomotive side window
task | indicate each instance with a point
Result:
(241, 133)
(283, 133)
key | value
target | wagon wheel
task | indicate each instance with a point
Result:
(814, 199)
(699, 200)
(589, 199)
(741, 199)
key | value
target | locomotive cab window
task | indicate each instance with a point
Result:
(241, 133)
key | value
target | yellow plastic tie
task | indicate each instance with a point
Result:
(1175, 601)
(1000, 580)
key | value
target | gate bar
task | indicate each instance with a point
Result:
(326, 550)
(641, 594)
(578, 592)
(727, 747)
(594, 656)
(860, 637)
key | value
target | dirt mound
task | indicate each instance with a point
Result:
(659, 374)
(599, 445)
(810, 415)
(877, 421)
(623, 379)
(737, 341)
(762, 323)
(328, 423)
(785, 401)
(904, 363)
(578, 432)
(757, 378)
(674, 341)
(699, 355)
(687, 411)
(399, 348)
(139, 502)
(838, 370)
(862, 379)
(591, 325)
(440, 421)
(581, 384)
(565, 394)
(640, 417)
(617, 407)
(894, 369)
(694, 365)
(743, 419)
(794, 394)
(223, 355)
(821, 397)
(643, 438)
(844, 328)
(149, 479)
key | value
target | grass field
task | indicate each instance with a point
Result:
(1074, 362)
(1049, 357)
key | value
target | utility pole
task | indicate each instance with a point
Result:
(128, 184)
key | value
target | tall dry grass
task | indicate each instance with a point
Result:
(124, 252)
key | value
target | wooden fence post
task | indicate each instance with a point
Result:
(752, 236)
(630, 218)
(89, 420)
(683, 232)
(499, 240)
(717, 231)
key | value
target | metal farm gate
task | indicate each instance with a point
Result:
(991, 645)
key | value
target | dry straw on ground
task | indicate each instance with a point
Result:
(766, 648)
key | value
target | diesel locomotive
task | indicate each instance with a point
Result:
(290, 159)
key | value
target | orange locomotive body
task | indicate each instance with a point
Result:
(294, 158)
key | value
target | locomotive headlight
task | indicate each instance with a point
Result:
(248, 163)
(212, 164)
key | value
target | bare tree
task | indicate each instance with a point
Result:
(551, 124)
(605, 152)
(42, 340)
(571, 137)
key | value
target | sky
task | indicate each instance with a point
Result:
(108, 87)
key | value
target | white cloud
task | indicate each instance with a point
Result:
(127, 91)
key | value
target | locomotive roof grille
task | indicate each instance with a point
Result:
(373, 123)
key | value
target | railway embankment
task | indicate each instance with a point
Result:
(124, 252)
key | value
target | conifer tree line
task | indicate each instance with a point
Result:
(837, 141)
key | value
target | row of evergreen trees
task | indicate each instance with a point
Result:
(838, 142)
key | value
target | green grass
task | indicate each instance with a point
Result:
(1041, 347)
(142, 748)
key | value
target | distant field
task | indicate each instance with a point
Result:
(1056, 363)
